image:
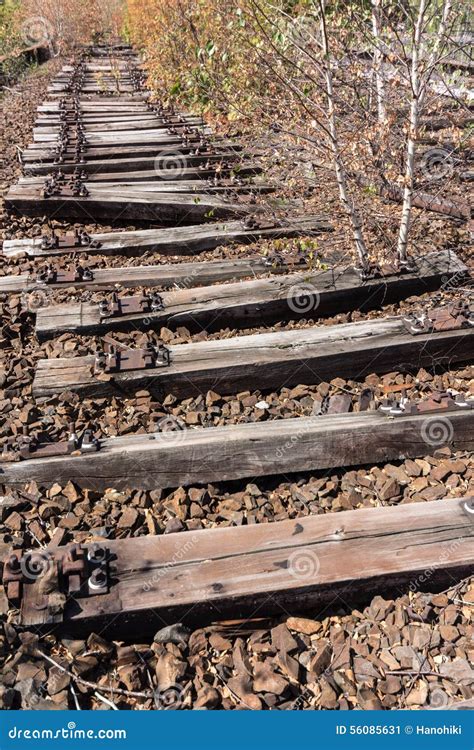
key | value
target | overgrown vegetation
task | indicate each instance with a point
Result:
(10, 37)
(349, 81)
(59, 24)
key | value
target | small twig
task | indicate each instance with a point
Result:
(74, 695)
(464, 603)
(105, 700)
(456, 588)
(419, 673)
(93, 685)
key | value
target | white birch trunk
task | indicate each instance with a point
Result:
(419, 84)
(351, 213)
(378, 62)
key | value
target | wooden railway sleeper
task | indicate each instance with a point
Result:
(468, 508)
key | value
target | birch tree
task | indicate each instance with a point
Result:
(378, 61)
(420, 75)
(341, 177)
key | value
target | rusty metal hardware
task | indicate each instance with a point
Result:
(374, 271)
(57, 185)
(32, 447)
(222, 167)
(13, 579)
(85, 571)
(225, 182)
(74, 189)
(19, 571)
(89, 443)
(253, 222)
(274, 260)
(69, 240)
(122, 360)
(28, 448)
(449, 317)
(79, 572)
(441, 401)
(141, 303)
(365, 399)
(53, 275)
(468, 508)
(71, 143)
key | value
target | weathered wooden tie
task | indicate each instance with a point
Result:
(166, 276)
(183, 457)
(164, 208)
(175, 240)
(265, 361)
(198, 576)
(453, 208)
(245, 303)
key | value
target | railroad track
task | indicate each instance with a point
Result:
(103, 149)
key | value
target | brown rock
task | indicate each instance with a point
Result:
(282, 639)
(57, 680)
(459, 670)
(364, 669)
(390, 489)
(241, 686)
(303, 625)
(128, 519)
(390, 685)
(220, 643)
(207, 697)
(169, 670)
(449, 633)
(387, 657)
(328, 697)
(321, 659)
(419, 694)
(368, 700)
(266, 680)
(433, 493)
(14, 522)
